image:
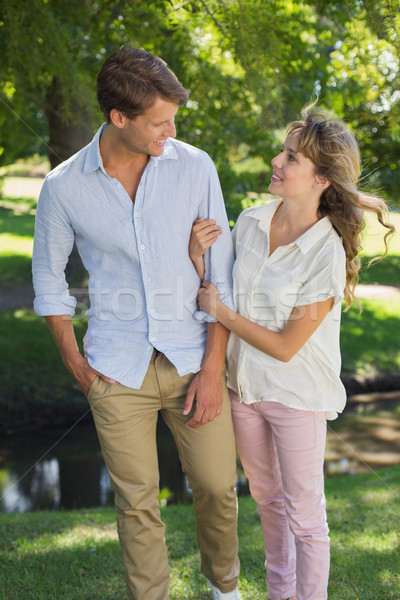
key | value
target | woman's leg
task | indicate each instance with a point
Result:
(300, 438)
(260, 462)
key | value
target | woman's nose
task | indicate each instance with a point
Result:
(275, 162)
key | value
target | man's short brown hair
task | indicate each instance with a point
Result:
(131, 79)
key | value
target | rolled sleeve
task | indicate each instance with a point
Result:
(53, 243)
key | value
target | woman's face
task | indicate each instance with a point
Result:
(293, 175)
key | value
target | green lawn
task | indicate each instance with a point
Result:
(75, 555)
(35, 378)
(17, 221)
(370, 341)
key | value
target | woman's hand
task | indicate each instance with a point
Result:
(204, 233)
(208, 298)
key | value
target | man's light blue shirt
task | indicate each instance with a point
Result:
(142, 284)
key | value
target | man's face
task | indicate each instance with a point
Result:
(147, 133)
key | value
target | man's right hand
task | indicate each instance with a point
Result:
(85, 375)
(63, 333)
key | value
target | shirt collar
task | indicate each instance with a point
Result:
(94, 161)
(306, 241)
(313, 235)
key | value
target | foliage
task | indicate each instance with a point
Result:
(38, 549)
(363, 88)
(250, 66)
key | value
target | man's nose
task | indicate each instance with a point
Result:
(171, 130)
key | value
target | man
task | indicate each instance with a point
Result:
(129, 200)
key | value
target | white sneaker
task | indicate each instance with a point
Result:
(218, 595)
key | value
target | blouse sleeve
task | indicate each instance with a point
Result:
(327, 279)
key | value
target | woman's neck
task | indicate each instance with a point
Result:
(296, 216)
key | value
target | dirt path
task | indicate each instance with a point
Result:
(13, 297)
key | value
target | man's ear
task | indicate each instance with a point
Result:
(321, 183)
(117, 118)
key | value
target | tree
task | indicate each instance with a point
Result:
(363, 86)
(250, 66)
(52, 51)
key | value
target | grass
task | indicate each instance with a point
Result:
(75, 555)
(370, 341)
(35, 378)
(17, 221)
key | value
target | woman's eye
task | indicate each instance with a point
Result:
(291, 157)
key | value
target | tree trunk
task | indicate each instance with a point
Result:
(66, 137)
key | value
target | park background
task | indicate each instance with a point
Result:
(250, 67)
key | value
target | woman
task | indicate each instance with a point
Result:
(296, 259)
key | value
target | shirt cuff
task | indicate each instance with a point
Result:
(47, 305)
(202, 316)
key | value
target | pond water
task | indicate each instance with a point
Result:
(64, 469)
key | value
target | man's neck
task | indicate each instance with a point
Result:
(119, 163)
(115, 155)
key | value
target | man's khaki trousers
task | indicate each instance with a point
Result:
(126, 422)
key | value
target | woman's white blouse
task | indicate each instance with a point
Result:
(266, 291)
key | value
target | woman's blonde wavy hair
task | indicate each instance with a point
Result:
(334, 151)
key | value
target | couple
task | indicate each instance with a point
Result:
(129, 200)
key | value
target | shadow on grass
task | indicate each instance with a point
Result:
(384, 272)
(33, 376)
(16, 269)
(20, 223)
(363, 516)
(371, 339)
(75, 555)
(70, 555)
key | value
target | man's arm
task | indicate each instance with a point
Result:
(206, 388)
(63, 333)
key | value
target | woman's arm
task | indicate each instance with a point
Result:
(283, 345)
(204, 233)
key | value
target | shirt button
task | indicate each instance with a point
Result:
(152, 338)
(142, 247)
(151, 310)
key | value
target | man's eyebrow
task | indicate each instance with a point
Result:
(291, 150)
